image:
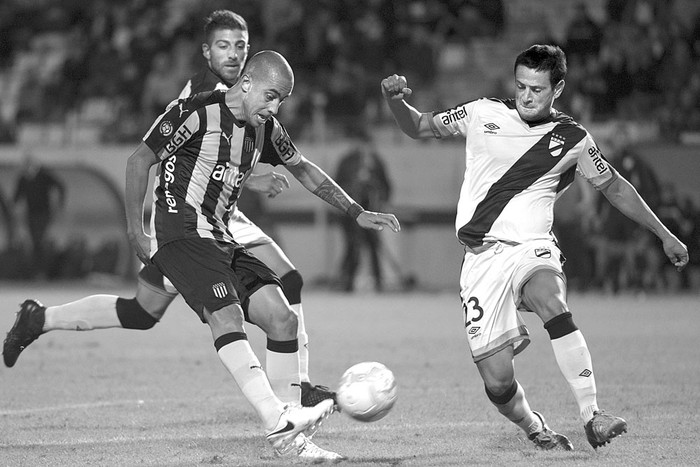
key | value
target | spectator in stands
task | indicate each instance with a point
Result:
(622, 247)
(7, 222)
(43, 195)
(361, 173)
(583, 36)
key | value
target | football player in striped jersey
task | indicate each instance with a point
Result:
(205, 147)
(225, 49)
(521, 154)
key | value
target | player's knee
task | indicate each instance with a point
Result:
(292, 282)
(501, 392)
(286, 322)
(133, 316)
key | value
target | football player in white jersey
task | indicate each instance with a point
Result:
(520, 156)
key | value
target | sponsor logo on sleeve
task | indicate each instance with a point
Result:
(597, 159)
(182, 135)
(453, 115)
(284, 146)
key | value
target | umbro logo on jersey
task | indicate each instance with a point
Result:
(220, 290)
(166, 128)
(474, 330)
(543, 252)
(491, 129)
(586, 373)
(556, 145)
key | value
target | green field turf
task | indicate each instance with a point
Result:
(162, 398)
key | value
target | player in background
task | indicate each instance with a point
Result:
(225, 49)
(520, 155)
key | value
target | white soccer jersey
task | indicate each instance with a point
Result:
(514, 170)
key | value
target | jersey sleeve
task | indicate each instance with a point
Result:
(593, 166)
(173, 128)
(453, 121)
(278, 147)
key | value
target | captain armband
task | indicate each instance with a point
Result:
(355, 210)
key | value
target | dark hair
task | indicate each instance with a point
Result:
(544, 58)
(223, 19)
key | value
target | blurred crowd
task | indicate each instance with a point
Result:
(116, 65)
(642, 62)
(606, 251)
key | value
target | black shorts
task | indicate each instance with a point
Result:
(212, 275)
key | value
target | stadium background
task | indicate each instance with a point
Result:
(81, 82)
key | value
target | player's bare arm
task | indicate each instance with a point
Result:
(137, 167)
(627, 200)
(411, 121)
(270, 183)
(319, 183)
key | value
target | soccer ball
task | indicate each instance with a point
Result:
(367, 391)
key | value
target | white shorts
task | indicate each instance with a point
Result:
(490, 286)
(245, 232)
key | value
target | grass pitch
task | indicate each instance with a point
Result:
(162, 398)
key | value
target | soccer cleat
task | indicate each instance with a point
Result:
(295, 420)
(303, 448)
(27, 328)
(547, 439)
(603, 427)
(312, 395)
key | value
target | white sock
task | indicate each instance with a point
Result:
(244, 366)
(93, 312)
(303, 343)
(518, 411)
(574, 359)
(283, 372)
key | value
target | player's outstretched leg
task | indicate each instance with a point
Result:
(603, 427)
(547, 439)
(27, 328)
(312, 395)
(295, 420)
(305, 449)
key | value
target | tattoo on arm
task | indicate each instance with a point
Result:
(332, 194)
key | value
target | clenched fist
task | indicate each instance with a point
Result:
(395, 87)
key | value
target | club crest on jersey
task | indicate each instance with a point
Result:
(219, 290)
(556, 145)
(166, 128)
(248, 144)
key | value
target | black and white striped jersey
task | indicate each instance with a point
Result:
(206, 155)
